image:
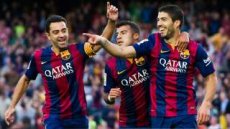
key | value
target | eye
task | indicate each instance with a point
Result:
(123, 32)
(64, 30)
(55, 32)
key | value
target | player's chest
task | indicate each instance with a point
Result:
(133, 74)
(57, 67)
(172, 61)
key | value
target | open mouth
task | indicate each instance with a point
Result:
(119, 42)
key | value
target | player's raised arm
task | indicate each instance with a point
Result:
(112, 15)
(113, 49)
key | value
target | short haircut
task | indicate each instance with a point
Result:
(135, 28)
(174, 11)
(53, 18)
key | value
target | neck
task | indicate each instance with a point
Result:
(55, 50)
(173, 40)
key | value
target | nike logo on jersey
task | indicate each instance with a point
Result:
(162, 51)
(43, 62)
(120, 72)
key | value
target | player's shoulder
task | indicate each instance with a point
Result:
(38, 52)
(42, 51)
(193, 45)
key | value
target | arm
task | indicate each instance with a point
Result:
(18, 92)
(206, 68)
(210, 86)
(112, 15)
(107, 33)
(113, 49)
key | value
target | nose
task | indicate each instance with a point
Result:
(118, 36)
(61, 34)
(159, 23)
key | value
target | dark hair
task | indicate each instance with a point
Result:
(53, 18)
(135, 28)
(174, 11)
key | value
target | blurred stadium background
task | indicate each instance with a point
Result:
(22, 25)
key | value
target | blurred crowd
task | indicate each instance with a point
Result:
(22, 32)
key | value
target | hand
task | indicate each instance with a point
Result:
(203, 113)
(183, 41)
(9, 115)
(112, 12)
(114, 93)
(95, 39)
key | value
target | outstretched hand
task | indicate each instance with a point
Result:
(112, 12)
(95, 39)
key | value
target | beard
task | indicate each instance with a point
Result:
(169, 34)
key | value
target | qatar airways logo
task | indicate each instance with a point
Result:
(136, 78)
(174, 65)
(59, 71)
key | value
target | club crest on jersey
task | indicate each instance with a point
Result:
(140, 61)
(185, 54)
(65, 55)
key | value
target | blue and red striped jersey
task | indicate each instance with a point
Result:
(62, 77)
(133, 79)
(171, 87)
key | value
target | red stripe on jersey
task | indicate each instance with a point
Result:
(79, 66)
(63, 88)
(154, 63)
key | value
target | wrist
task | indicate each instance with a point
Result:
(11, 106)
(110, 99)
(104, 42)
(207, 103)
(111, 21)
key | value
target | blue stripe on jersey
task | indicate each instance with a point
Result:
(110, 82)
(52, 86)
(144, 47)
(31, 71)
(121, 65)
(203, 62)
(182, 93)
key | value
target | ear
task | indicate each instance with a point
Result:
(136, 36)
(177, 23)
(48, 35)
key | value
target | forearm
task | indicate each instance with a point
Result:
(118, 51)
(19, 90)
(109, 28)
(107, 33)
(211, 83)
